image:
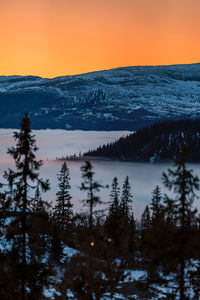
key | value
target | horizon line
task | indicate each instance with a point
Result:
(100, 70)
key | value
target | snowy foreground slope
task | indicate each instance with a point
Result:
(131, 278)
(123, 98)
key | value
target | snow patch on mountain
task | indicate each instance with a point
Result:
(129, 95)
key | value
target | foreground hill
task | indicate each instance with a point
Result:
(161, 141)
(118, 99)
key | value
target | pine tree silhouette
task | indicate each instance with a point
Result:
(63, 212)
(21, 183)
(184, 185)
(38, 205)
(114, 198)
(156, 206)
(91, 187)
(126, 198)
(146, 219)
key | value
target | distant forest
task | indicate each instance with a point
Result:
(158, 142)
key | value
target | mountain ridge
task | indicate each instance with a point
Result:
(103, 70)
(116, 99)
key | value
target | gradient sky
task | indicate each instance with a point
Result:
(61, 37)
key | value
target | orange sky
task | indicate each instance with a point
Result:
(60, 37)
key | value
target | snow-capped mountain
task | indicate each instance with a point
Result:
(122, 98)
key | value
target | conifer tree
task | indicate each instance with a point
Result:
(21, 183)
(169, 209)
(114, 198)
(156, 206)
(145, 230)
(146, 219)
(126, 198)
(117, 224)
(112, 219)
(184, 185)
(127, 222)
(63, 213)
(38, 205)
(132, 237)
(91, 187)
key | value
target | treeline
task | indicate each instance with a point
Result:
(160, 141)
(37, 263)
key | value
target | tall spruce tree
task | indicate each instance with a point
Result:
(22, 180)
(21, 183)
(184, 186)
(127, 221)
(116, 221)
(146, 219)
(126, 198)
(114, 198)
(63, 212)
(156, 206)
(112, 219)
(91, 186)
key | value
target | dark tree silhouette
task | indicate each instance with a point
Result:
(146, 219)
(156, 206)
(114, 197)
(184, 185)
(126, 198)
(119, 223)
(21, 183)
(63, 213)
(90, 186)
(38, 205)
(112, 219)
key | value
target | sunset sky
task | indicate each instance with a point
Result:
(60, 37)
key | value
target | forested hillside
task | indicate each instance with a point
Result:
(161, 141)
(114, 256)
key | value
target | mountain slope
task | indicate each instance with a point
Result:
(123, 98)
(160, 141)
